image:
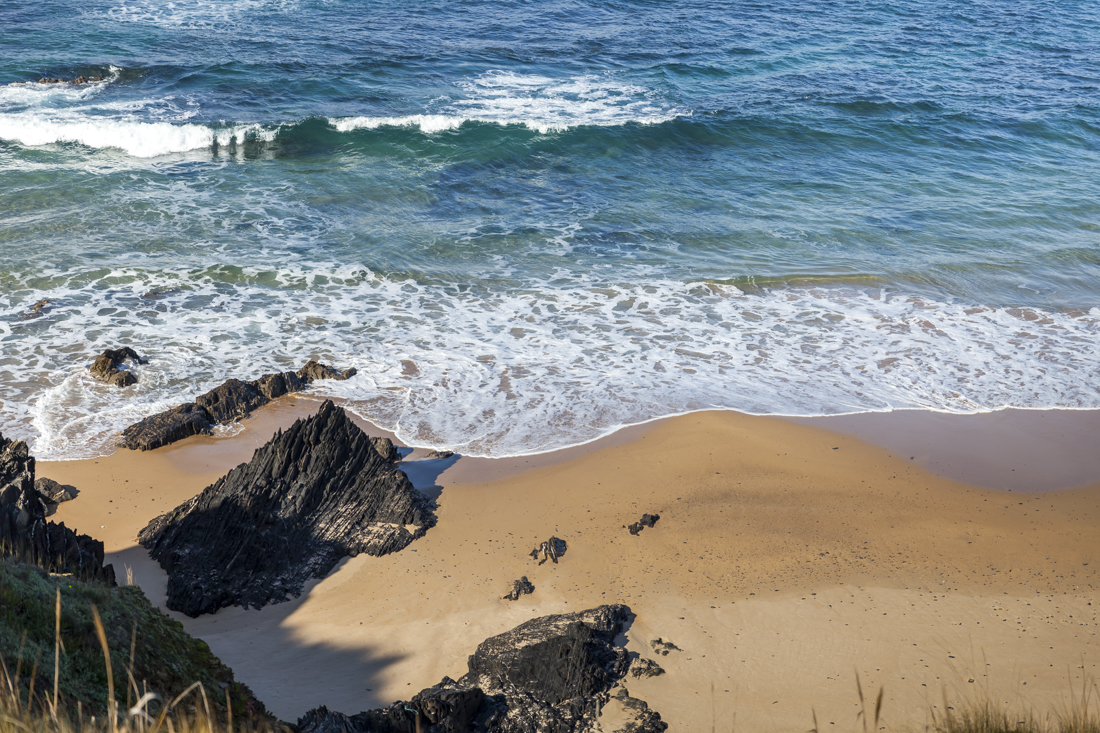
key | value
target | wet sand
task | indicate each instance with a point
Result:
(787, 558)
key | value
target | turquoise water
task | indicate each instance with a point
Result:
(529, 223)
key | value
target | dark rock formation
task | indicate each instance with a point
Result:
(642, 668)
(105, 368)
(26, 535)
(444, 708)
(552, 549)
(519, 588)
(314, 494)
(166, 427)
(550, 675)
(386, 449)
(648, 520)
(273, 386)
(663, 647)
(632, 716)
(54, 493)
(440, 454)
(231, 401)
(38, 308)
(314, 370)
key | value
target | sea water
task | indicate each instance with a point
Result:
(528, 223)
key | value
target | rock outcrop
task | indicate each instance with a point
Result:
(626, 714)
(54, 493)
(549, 675)
(166, 427)
(231, 401)
(311, 496)
(26, 535)
(440, 454)
(521, 587)
(105, 368)
(648, 520)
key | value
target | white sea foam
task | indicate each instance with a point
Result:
(139, 139)
(537, 102)
(495, 372)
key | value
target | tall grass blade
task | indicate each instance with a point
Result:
(112, 706)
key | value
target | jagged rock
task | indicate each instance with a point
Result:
(24, 531)
(648, 520)
(641, 668)
(314, 370)
(519, 588)
(386, 449)
(166, 427)
(232, 400)
(443, 708)
(552, 549)
(440, 454)
(312, 495)
(663, 647)
(549, 675)
(626, 714)
(273, 386)
(37, 309)
(105, 368)
(54, 493)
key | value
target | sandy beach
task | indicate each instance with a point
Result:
(788, 558)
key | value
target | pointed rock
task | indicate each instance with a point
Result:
(312, 495)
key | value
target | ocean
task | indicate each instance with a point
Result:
(529, 223)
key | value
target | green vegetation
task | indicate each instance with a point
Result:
(149, 652)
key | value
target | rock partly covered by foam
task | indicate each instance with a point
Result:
(24, 532)
(228, 402)
(550, 675)
(311, 496)
(105, 368)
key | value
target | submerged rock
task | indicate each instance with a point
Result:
(166, 427)
(26, 535)
(550, 675)
(521, 587)
(314, 370)
(231, 401)
(312, 495)
(105, 368)
(648, 520)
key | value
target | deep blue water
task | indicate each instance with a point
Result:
(527, 223)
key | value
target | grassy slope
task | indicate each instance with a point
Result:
(167, 660)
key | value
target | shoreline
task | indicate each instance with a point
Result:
(786, 555)
(1022, 450)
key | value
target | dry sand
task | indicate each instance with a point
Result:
(787, 558)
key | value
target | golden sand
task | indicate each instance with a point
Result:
(786, 559)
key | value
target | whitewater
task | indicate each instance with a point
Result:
(527, 227)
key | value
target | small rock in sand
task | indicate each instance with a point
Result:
(552, 549)
(663, 647)
(642, 668)
(440, 454)
(648, 520)
(519, 588)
